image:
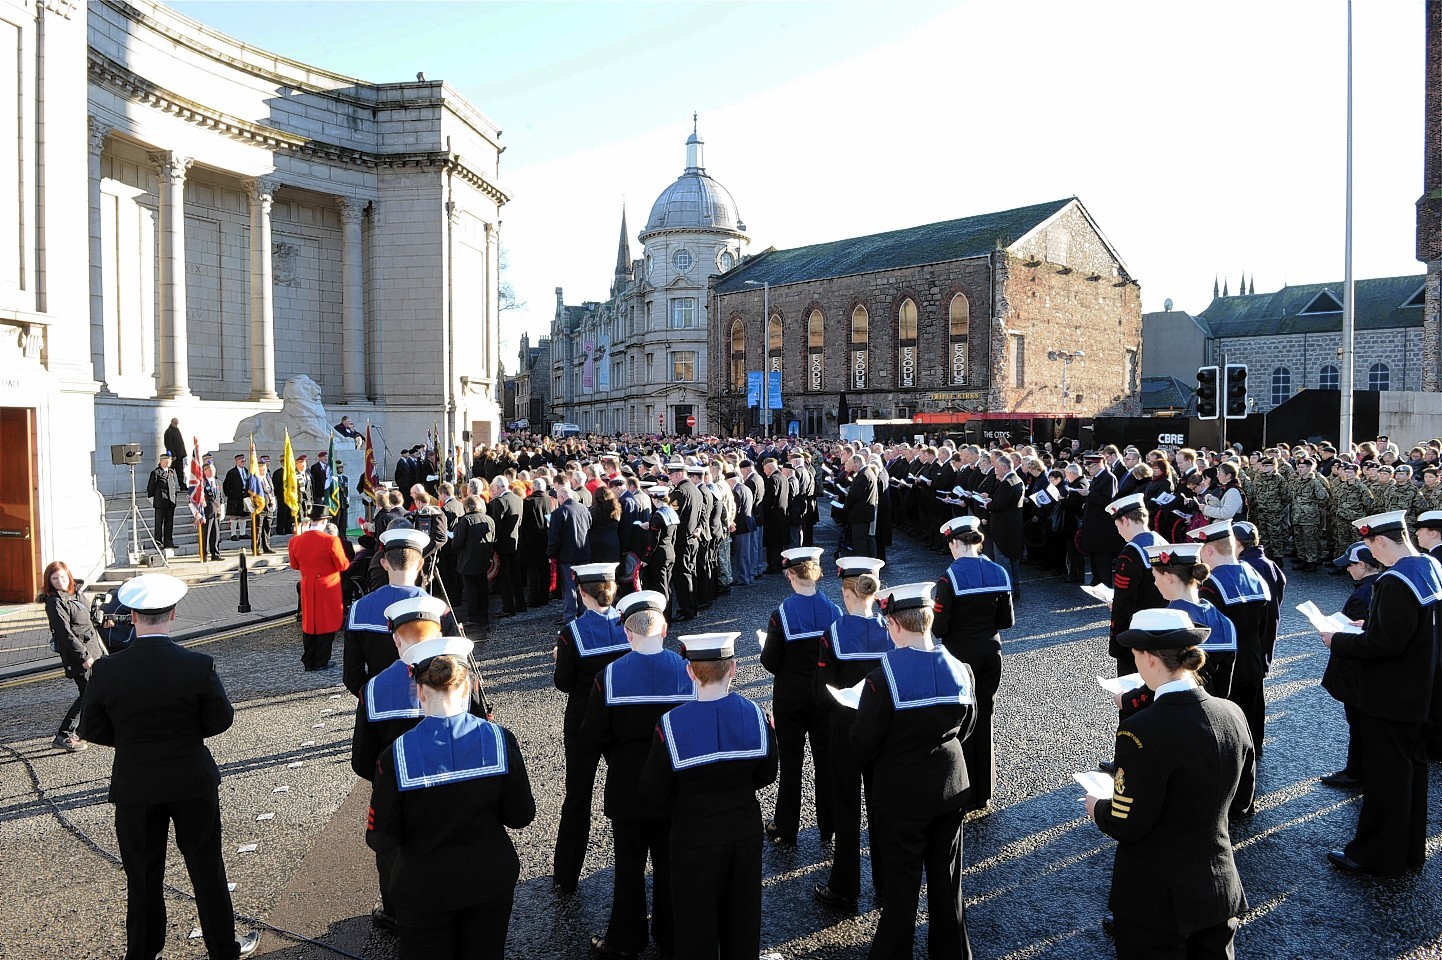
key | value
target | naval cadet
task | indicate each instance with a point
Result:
(1184, 768)
(789, 653)
(442, 798)
(708, 758)
(658, 542)
(849, 651)
(916, 710)
(584, 648)
(974, 604)
(1131, 573)
(1396, 659)
(1340, 677)
(155, 703)
(628, 699)
(1179, 574)
(1429, 533)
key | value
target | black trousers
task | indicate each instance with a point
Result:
(164, 523)
(474, 933)
(1101, 568)
(908, 847)
(315, 654)
(71, 723)
(1392, 765)
(847, 779)
(797, 718)
(573, 834)
(212, 538)
(385, 867)
(140, 832)
(683, 579)
(716, 890)
(1146, 943)
(863, 544)
(1248, 695)
(511, 581)
(635, 840)
(658, 573)
(264, 523)
(478, 598)
(978, 749)
(538, 579)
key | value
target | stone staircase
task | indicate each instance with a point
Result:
(185, 564)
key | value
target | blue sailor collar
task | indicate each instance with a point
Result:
(639, 678)
(1239, 583)
(860, 638)
(391, 695)
(927, 678)
(597, 634)
(1423, 576)
(805, 617)
(970, 575)
(712, 731)
(442, 750)
(668, 516)
(369, 612)
(1223, 638)
(1147, 538)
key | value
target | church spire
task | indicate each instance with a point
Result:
(1226, 289)
(1216, 286)
(623, 250)
(695, 149)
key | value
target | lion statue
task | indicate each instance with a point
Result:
(301, 413)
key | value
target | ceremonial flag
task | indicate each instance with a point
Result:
(197, 482)
(370, 481)
(332, 488)
(254, 488)
(288, 479)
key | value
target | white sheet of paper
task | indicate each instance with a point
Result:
(1095, 783)
(850, 697)
(248, 848)
(1165, 498)
(1040, 498)
(836, 506)
(1322, 623)
(1119, 685)
(1101, 592)
(761, 638)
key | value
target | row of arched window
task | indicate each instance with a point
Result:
(858, 345)
(1379, 377)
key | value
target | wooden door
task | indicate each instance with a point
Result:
(19, 532)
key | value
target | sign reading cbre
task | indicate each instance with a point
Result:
(1207, 393)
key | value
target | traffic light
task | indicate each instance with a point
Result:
(1236, 383)
(1207, 393)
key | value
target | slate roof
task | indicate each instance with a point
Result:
(1379, 306)
(913, 246)
(1166, 393)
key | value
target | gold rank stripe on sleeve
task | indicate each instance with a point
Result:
(1121, 807)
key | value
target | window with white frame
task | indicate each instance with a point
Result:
(1329, 378)
(1379, 377)
(683, 366)
(1281, 385)
(683, 313)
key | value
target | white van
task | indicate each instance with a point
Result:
(559, 431)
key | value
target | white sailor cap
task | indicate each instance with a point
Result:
(1174, 554)
(708, 646)
(1127, 504)
(151, 592)
(1162, 629)
(1221, 530)
(438, 647)
(416, 608)
(403, 537)
(675, 466)
(1432, 520)
(639, 601)
(908, 596)
(659, 490)
(956, 526)
(1389, 522)
(799, 555)
(594, 572)
(695, 468)
(856, 566)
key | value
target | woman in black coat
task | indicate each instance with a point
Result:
(605, 535)
(74, 639)
(474, 542)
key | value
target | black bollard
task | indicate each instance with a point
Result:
(244, 606)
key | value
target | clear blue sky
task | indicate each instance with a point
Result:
(1205, 139)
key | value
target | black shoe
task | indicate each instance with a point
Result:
(1107, 766)
(600, 948)
(506, 613)
(682, 618)
(773, 833)
(560, 621)
(1342, 780)
(1339, 858)
(1109, 926)
(829, 898)
(247, 944)
(384, 920)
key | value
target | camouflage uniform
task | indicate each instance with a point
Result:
(1309, 499)
(1402, 495)
(1267, 497)
(1351, 500)
(1430, 497)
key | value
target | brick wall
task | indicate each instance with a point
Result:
(1304, 355)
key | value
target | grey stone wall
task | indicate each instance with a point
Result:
(1304, 356)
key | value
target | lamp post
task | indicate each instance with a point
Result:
(765, 286)
(1066, 357)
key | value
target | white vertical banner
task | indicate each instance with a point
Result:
(858, 369)
(907, 373)
(958, 361)
(815, 366)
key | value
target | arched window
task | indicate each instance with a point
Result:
(1329, 378)
(773, 352)
(1379, 377)
(957, 333)
(815, 350)
(738, 354)
(906, 344)
(1281, 385)
(860, 341)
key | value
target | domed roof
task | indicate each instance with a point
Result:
(695, 200)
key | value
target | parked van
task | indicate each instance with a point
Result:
(560, 431)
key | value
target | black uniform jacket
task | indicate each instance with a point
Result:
(793, 640)
(1005, 518)
(973, 603)
(1396, 655)
(1184, 767)
(389, 706)
(448, 822)
(1099, 532)
(368, 647)
(1136, 589)
(1237, 591)
(584, 648)
(155, 702)
(505, 512)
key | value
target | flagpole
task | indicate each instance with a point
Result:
(1346, 350)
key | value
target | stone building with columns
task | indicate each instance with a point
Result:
(249, 219)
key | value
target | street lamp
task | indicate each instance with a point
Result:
(765, 286)
(1066, 357)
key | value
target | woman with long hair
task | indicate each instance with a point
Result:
(73, 636)
(605, 537)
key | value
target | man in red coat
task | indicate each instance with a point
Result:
(321, 560)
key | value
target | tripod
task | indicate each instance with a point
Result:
(136, 523)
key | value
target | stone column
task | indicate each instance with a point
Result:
(262, 292)
(174, 360)
(98, 353)
(353, 323)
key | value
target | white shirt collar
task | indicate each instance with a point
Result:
(1181, 685)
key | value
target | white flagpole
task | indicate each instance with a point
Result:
(1347, 355)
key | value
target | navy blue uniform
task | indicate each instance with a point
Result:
(368, 647)
(1242, 595)
(1221, 645)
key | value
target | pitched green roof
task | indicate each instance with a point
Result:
(931, 243)
(1378, 306)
